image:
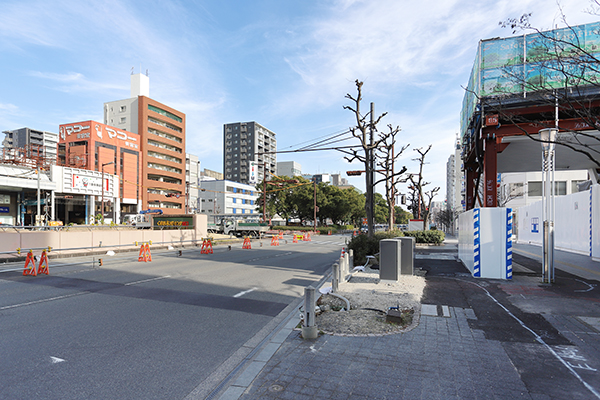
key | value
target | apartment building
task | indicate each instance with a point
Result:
(162, 144)
(45, 142)
(248, 152)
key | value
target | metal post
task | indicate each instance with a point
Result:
(315, 206)
(350, 260)
(547, 138)
(371, 173)
(39, 212)
(335, 280)
(309, 329)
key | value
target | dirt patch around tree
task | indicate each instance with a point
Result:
(370, 299)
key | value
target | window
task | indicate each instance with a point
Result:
(123, 109)
(234, 200)
(534, 188)
(165, 113)
(233, 211)
(515, 190)
(123, 120)
(574, 188)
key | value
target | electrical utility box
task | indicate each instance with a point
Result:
(396, 257)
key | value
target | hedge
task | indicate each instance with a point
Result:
(363, 246)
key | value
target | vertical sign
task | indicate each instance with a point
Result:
(253, 174)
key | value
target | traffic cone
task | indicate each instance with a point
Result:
(329, 233)
(280, 234)
(343, 252)
(295, 238)
(43, 260)
(275, 240)
(31, 270)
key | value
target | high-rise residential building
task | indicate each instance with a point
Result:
(455, 181)
(192, 175)
(248, 152)
(46, 142)
(162, 139)
(289, 168)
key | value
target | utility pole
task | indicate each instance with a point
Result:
(315, 205)
(370, 175)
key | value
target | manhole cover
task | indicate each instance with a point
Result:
(275, 388)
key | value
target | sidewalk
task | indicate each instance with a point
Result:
(479, 339)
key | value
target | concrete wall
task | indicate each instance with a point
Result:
(82, 238)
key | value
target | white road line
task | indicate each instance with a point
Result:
(66, 296)
(148, 280)
(43, 300)
(240, 294)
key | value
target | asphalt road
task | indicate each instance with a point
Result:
(140, 330)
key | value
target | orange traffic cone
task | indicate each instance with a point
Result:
(275, 240)
(295, 239)
(43, 260)
(31, 270)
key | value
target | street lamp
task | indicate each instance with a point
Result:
(102, 210)
(548, 138)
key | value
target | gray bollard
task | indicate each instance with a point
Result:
(335, 280)
(309, 329)
(350, 260)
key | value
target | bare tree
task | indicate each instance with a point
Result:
(364, 131)
(386, 157)
(417, 182)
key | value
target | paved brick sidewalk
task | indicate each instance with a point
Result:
(442, 358)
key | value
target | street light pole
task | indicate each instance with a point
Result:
(102, 210)
(547, 138)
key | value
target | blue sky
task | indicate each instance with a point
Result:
(285, 64)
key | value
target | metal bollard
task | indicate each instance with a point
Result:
(335, 280)
(309, 329)
(350, 260)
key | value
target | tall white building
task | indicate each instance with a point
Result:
(455, 181)
(192, 175)
(227, 197)
(289, 168)
(244, 148)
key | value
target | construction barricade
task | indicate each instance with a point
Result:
(207, 247)
(145, 255)
(247, 243)
(29, 268)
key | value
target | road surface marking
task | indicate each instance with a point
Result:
(147, 280)
(56, 360)
(240, 294)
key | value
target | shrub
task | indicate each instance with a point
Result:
(431, 237)
(363, 246)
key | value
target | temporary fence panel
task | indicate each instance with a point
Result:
(485, 242)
